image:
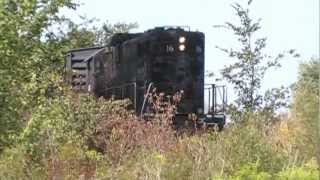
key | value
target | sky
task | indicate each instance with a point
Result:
(287, 24)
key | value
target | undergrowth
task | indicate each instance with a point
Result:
(81, 137)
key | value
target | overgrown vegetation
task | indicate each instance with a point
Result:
(117, 145)
(48, 132)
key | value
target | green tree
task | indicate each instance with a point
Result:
(86, 34)
(32, 47)
(247, 73)
(23, 27)
(306, 108)
(104, 34)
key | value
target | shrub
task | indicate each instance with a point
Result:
(305, 110)
(308, 171)
(75, 136)
(250, 172)
(122, 133)
(73, 162)
(16, 164)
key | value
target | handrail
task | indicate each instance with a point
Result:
(145, 98)
(216, 93)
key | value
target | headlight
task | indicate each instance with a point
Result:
(182, 47)
(182, 39)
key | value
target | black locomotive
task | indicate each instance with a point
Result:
(169, 59)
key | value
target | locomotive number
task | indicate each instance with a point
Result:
(169, 48)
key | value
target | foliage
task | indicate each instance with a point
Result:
(15, 164)
(250, 171)
(308, 170)
(252, 63)
(32, 51)
(73, 162)
(305, 109)
(136, 149)
(273, 100)
(79, 35)
(122, 133)
(23, 24)
(240, 152)
(86, 34)
(104, 34)
(66, 119)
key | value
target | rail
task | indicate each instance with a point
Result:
(217, 96)
(145, 98)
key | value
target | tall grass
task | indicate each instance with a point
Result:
(110, 142)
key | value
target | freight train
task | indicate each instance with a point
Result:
(169, 59)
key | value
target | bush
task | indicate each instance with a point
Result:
(73, 162)
(122, 133)
(239, 152)
(124, 136)
(74, 137)
(308, 171)
(250, 172)
(305, 110)
(66, 119)
(16, 164)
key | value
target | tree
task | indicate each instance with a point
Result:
(23, 25)
(305, 108)
(86, 34)
(252, 63)
(104, 34)
(32, 48)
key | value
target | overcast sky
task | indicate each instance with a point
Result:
(287, 24)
